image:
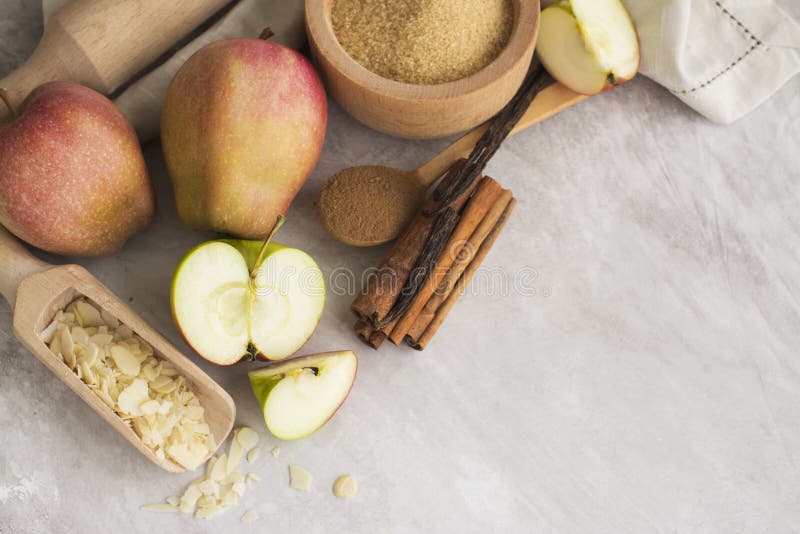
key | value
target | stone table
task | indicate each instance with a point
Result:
(629, 362)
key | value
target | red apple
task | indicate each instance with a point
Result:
(72, 176)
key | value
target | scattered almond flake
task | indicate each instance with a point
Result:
(207, 512)
(276, 451)
(148, 393)
(238, 488)
(345, 486)
(219, 470)
(229, 499)
(209, 487)
(247, 438)
(252, 456)
(234, 455)
(249, 516)
(299, 478)
(217, 489)
(159, 507)
(233, 478)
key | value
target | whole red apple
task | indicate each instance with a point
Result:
(72, 176)
(242, 128)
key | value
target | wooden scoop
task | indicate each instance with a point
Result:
(104, 43)
(36, 291)
(397, 194)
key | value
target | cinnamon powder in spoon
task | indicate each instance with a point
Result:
(365, 205)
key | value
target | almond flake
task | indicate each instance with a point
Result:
(344, 487)
(252, 456)
(249, 516)
(126, 361)
(133, 396)
(87, 314)
(247, 437)
(299, 478)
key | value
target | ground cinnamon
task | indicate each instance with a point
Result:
(363, 201)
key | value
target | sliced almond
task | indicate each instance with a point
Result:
(125, 360)
(253, 455)
(299, 478)
(249, 516)
(345, 487)
(247, 437)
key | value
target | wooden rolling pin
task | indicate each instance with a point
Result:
(104, 43)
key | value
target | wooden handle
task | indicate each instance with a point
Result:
(547, 103)
(103, 43)
(16, 264)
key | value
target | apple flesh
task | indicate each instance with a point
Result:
(227, 312)
(300, 395)
(72, 176)
(242, 128)
(588, 45)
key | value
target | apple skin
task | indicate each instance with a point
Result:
(73, 179)
(242, 128)
(262, 386)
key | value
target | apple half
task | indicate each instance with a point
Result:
(300, 395)
(588, 45)
(236, 299)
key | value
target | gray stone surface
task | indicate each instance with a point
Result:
(645, 379)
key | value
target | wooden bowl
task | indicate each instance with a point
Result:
(422, 111)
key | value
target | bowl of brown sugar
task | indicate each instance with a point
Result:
(422, 69)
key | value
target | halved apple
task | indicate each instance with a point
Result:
(237, 299)
(588, 45)
(300, 395)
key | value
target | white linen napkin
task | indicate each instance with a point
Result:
(721, 57)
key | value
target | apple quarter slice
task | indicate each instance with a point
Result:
(300, 395)
(210, 302)
(588, 45)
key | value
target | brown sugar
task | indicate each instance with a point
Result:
(423, 41)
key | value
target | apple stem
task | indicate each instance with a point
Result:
(260, 259)
(4, 96)
(266, 34)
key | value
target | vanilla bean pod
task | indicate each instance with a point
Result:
(501, 125)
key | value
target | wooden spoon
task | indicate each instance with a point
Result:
(36, 291)
(395, 195)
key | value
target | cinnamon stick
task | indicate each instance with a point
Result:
(486, 194)
(384, 286)
(463, 260)
(449, 302)
(392, 280)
